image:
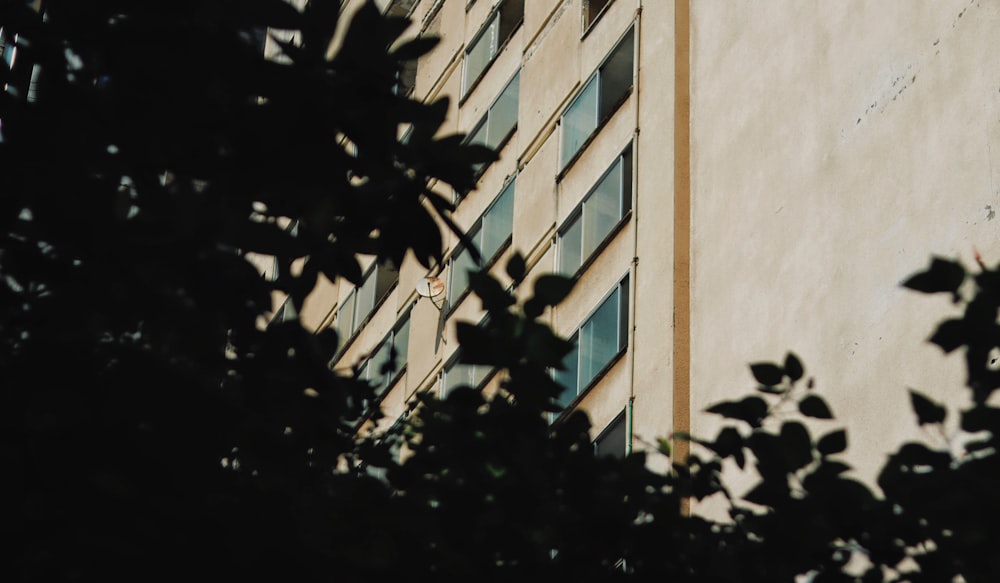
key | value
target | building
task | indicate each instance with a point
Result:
(728, 181)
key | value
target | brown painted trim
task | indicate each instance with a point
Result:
(682, 227)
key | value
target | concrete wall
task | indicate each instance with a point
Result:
(835, 147)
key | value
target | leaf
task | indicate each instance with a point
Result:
(767, 373)
(489, 290)
(728, 442)
(831, 443)
(928, 412)
(768, 493)
(941, 276)
(533, 308)
(797, 445)
(477, 345)
(750, 410)
(552, 289)
(793, 367)
(949, 335)
(814, 406)
(981, 418)
(517, 268)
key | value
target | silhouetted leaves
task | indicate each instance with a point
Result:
(793, 367)
(927, 411)
(750, 409)
(815, 406)
(766, 373)
(950, 335)
(516, 268)
(552, 289)
(833, 442)
(941, 276)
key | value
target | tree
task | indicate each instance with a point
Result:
(151, 428)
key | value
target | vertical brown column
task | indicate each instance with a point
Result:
(682, 226)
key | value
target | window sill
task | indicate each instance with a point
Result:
(593, 135)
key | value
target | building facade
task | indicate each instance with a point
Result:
(727, 182)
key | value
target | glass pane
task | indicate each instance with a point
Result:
(378, 367)
(386, 275)
(613, 440)
(459, 375)
(616, 75)
(479, 55)
(460, 267)
(570, 257)
(511, 14)
(579, 121)
(345, 319)
(479, 373)
(568, 378)
(503, 114)
(601, 210)
(626, 162)
(498, 223)
(623, 314)
(478, 134)
(591, 8)
(599, 339)
(365, 300)
(401, 344)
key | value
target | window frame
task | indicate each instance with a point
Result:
(399, 363)
(455, 361)
(475, 231)
(484, 121)
(590, 18)
(357, 323)
(625, 157)
(609, 429)
(601, 118)
(621, 288)
(501, 41)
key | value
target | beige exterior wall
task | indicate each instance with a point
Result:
(835, 147)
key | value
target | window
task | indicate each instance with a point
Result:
(601, 210)
(613, 441)
(500, 120)
(598, 99)
(388, 359)
(401, 8)
(460, 374)
(487, 43)
(8, 47)
(591, 10)
(490, 233)
(598, 341)
(362, 300)
(285, 313)
(406, 79)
